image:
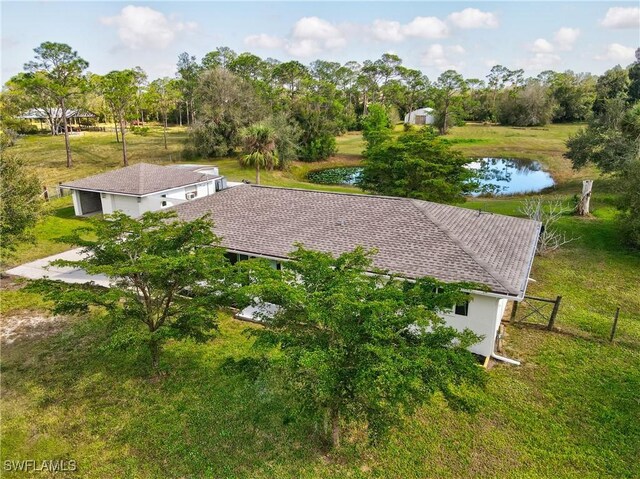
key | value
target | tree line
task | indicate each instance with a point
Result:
(303, 106)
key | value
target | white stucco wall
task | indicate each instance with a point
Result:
(76, 203)
(484, 316)
(136, 206)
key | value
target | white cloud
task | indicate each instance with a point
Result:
(541, 61)
(542, 46)
(473, 18)
(313, 35)
(263, 40)
(386, 30)
(443, 58)
(617, 53)
(419, 27)
(145, 28)
(566, 37)
(622, 17)
(545, 52)
(426, 27)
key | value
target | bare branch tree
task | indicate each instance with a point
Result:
(548, 213)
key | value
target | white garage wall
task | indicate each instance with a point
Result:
(76, 203)
(131, 206)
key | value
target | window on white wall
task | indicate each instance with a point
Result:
(462, 309)
(163, 204)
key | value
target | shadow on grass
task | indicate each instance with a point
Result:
(201, 415)
(600, 336)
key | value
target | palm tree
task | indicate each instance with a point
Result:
(260, 148)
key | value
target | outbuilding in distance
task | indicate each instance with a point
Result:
(421, 116)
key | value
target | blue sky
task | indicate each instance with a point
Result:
(432, 36)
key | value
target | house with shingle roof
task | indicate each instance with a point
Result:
(412, 238)
(143, 187)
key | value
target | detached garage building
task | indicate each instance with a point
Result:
(143, 187)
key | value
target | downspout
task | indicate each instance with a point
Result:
(505, 360)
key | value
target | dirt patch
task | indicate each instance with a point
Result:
(10, 283)
(28, 326)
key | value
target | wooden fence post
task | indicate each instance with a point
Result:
(615, 324)
(514, 310)
(45, 193)
(554, 313)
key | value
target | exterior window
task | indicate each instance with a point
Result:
(242, 257)
(232, 257)
(164, 203)
(462, 309)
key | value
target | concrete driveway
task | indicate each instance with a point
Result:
(41, 269)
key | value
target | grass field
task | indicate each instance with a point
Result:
(570, 410)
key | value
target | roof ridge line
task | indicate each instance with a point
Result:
(342, 193)
(483, 264)
(141, 176)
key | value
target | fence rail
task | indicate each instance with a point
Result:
(534, 310)
(52, 192)
(529, 308)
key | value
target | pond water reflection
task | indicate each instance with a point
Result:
(500, 176)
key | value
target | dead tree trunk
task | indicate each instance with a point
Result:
(583, 205)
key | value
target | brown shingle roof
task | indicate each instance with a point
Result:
(139, 179)
(413, 238)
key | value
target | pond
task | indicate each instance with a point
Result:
(502, 176)
(507, 176)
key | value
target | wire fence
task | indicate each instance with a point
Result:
(605, 324)
(53, 192)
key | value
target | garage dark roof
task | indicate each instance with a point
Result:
(413, 238)
(139, 179)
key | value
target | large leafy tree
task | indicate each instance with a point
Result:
(168, 278)
(30, 91)
(20, 202)
(226, 104)
(355, 346)
(448, 98)
(611, 141)
(260, 147)
(58, 70)
(528, 105)
(418, 164)
(188, 74)
(164, 94)
(376, 126)
(120, 91)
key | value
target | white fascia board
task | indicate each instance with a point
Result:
(471, 291)
(140, 196)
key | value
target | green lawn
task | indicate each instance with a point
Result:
(570, 410)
